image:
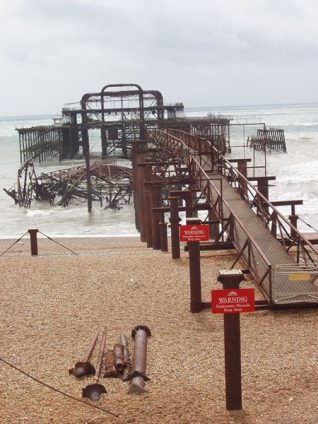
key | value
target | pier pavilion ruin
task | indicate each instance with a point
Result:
(118, 115)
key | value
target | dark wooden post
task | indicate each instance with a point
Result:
(188, 203)
(242, 168)
(195, 271)
(163, 234)
(139, 149)
(232, 344)
(293, 220)
(148, 210)
(155, 216)
(142, 200)
(174, 221)
(33, 241)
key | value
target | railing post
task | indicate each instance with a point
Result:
(293, 220)
(242, 168)
(274, 224)
(262, 187)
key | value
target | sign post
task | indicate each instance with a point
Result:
(193, 233)
(231, 302)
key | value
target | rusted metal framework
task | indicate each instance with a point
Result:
(262, 236)
(41, 142)
(268, 139)
(111, 186)
(117, 115)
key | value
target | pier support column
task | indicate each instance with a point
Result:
(155, 216)
(174, 221)
(148, 210)
(138, 157)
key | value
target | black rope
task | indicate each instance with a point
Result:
(14, 243)
(50, 238)
(308, 224)
(57, 390)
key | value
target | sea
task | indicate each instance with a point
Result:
(296, 172)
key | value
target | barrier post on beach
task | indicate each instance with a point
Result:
(232, 344)
(195, 270)
(33, 241)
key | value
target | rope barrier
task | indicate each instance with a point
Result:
(13, 244)
(308, 224)
(50, 238)
(57, 390)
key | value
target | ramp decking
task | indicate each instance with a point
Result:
(248, 226)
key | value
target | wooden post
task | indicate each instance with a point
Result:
(34, 241)
(195, 271)
(147, 191)
(155, 216)
(163, 235)
(174, 221)
(232, 344)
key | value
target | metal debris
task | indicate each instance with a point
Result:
(84, 367)
(138, 376)
(111, 186)
(95, 390)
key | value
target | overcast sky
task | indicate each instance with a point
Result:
(201, 52)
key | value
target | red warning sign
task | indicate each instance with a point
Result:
(232, 301)
(198, 232)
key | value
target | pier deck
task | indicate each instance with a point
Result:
(265, 240)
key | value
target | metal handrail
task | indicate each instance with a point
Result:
(266, 260)
(240, 177)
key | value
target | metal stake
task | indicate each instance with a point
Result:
(93, 391)
(85, 367)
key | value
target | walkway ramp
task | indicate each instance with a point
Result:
(281, 260)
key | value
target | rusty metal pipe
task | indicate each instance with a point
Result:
(127, 370)
(85, 367)
(93, 391)
(109, 360)
(119, 357)
(138, 377)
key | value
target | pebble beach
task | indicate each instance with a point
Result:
(53, 303)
